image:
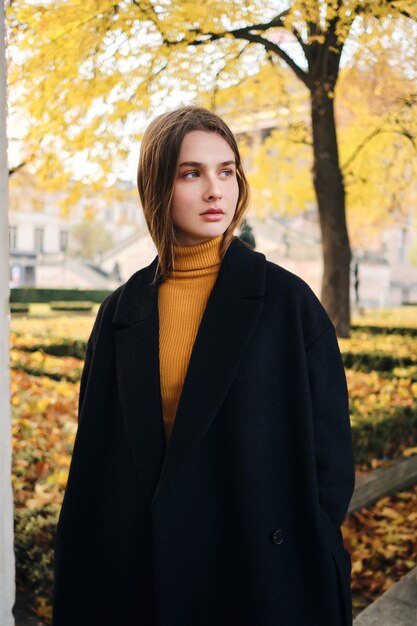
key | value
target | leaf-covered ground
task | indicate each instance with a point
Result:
(382, 541)
(371, 393)
(74, 327)
(43, 432)
(400, 346)
(40, 363)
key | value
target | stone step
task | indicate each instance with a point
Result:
(382, 482)
(396, 607)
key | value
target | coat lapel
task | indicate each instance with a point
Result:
(137, 371)
(233, 308)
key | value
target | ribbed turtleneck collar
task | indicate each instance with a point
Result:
(198, 260)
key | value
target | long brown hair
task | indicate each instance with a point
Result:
(158, 169)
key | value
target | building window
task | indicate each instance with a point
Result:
(13, 237)
(39, 240)
(63, 240)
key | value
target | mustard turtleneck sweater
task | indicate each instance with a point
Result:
(182, 299)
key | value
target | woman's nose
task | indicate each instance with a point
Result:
(213, 190)
(215, 194)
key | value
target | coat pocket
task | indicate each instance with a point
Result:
(342, 566)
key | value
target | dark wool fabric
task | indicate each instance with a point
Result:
(237, 521)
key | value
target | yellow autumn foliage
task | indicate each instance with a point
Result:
(87, 76)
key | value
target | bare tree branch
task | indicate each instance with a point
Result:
(15, 169)
(269, 45)
(401, 11)
(368, 7)
(218, 74)
(378, 131)
(407, 103)
(305, 48)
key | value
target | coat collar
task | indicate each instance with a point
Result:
(232, 310)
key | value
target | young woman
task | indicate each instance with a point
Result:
(213, 465)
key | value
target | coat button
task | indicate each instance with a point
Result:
(277, 537)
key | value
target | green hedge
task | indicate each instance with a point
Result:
(67, 347)
(71, 306)
(385, 330)
(19, 307)
(32, 294)
(380, 361)
(40, 371)
(34, 540)
(383, 437)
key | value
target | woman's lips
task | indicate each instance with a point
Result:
(212, 217)
(213, 214)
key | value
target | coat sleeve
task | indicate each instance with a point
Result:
(331, 422)
(90, 347)
(85, 375)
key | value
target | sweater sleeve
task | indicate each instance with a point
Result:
(332, 430)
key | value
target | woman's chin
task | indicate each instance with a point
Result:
(197, 237)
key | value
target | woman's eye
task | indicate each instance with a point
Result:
(195, 174)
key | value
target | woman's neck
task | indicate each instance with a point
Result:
(201, 258)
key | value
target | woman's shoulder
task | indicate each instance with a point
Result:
(130, 290)
(277, 277)
(284, 289)
(293, 292)
(280, 277)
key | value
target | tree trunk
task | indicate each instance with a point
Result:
(7, 584)
(330, 192)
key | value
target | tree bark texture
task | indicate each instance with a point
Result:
(330, 193)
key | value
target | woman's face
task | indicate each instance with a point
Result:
(206, 181)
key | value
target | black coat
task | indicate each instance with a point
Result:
(237, 521)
